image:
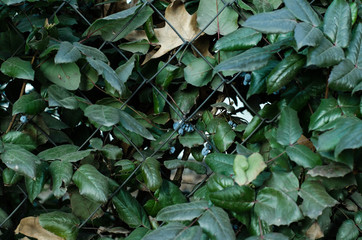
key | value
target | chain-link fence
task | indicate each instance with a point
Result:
(231, 83)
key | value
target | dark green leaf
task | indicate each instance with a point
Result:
(315, 199)
(112, 152)
(351, 140)
(168, 232)
(216, 223)
(289, 130)
(10, 177)
(224, 136)
(91, 52)
(103, 115)
(221, 163)
(330, 171)
(185, 100)
(191, 139)
(62, 224)
(31, 104)
(151, 173)
(124, 71)
(140, 46)
(182, 211)
(58, 96)
(286, 182)
(17, 68)
(62, 173)
(3, 216)
(197, 167)
(138, 233)
(269, 236)
(236, 198)
(306, 34)
(276, 207)
(279, 21)
(129, 210)
(337, 23)
(35, 186)
(131, 124)
(199, 73)
(326, 112)
(345, 76)
(218, 182)
(284, 72)
(83, 207)
(325, 54)
(91, 183)
(354, 50)
(303, 156)
(302, 10)
(19, 138)
(241, 39)
(67, 53)
(57, 152)
(347, 231)
(65, 75)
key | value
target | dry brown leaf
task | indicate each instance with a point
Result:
(184, 23)
(31, 227)
(306, 142)
(314, 232)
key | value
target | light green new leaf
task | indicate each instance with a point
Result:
(182, 211)
(17, 68)
(35, 186)
(306, 34)
(325, 54)
(347, 231)
(221, 163)
(284, 72)
(103, 115)
(191, 139)
(289, 129)
(315, 199)
(226, 23)
(58, 96)
(62, 173)
(195, 166)
(276, 207)
(224, 136)
(132, 125)
(129, 210)
(19, 160)
(91, 183)
(247, 61)
(278, 21)
(199, 73)
(151, 173)
(67, 53)
(241, 39)
(65, 75)
(286, 182)
(31, 103)
(62, 224)
(247, 169)
(118, 25)
(302, 10)
(337, 23)
(345, 76)
(236, 198)
(216, 223)
(303, 156)
(19, 138)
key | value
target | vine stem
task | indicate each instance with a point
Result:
(14, 117)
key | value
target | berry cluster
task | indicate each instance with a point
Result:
(247, 79)
(232, 124)
(182, 127)
(206, 150)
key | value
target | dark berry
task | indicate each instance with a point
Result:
(23, 119)
(181, 131)
(208, 146)
(172, 150)
(230, 123)
(276, 93)
(205, 151)
(176, 125)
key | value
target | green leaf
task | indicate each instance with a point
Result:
(325, 54)
(289, 129)
(140, 46)
(151, 173)
(226, 23)
(112, 152)
(62, 173)
(191, 139)
(337, 23)
(35, 186)
(10, 177)
(327, 111)
(118, 25)
(241, 39)
(83, 207)
(303, 156)
(247, 169)
(303, 11)
(31, 104)
(195, 166)
(236, 198)
(351, 140)
(65, 75)
(330, 171)
(276, 207)
(124, 71)
(21, 139)
(132, 125)
(108, 74)
(91, 183)
(315, 199)
(62, 224)
(306, 34)
(284, 72)
(248, 61)
(221, 163)
(3, 216)
(58, 96)
(19, 160)
(287, 182)
(17, 68)
(182, 211)
(91, 52)
(67, 53)
(219, 182)
(216, 223)
(224, 136)
(168, 194)
(57, 152)
(103, 115)
(279, 21)
(185, 100)
(138, 233)
(129, 210)
(269, 236)
(354, 49)
(11, 2)
(175, 231)
(347, 231)
(345, 76)
(199, 73)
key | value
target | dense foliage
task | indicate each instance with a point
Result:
(129, 121)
